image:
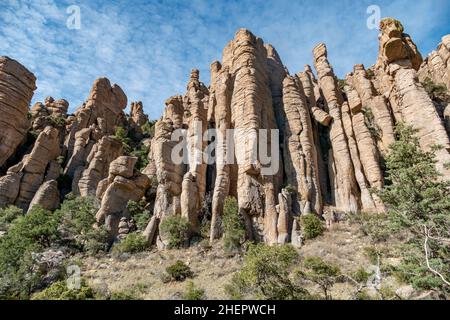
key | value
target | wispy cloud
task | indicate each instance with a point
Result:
(149, 47)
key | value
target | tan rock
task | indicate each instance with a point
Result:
(47, 196)
(99, 160)
(222, 117)
(34, 165)
(301, 157)
(98, 117)
(284, 216)
(344, 188)
(17, 85)
(122, 188)
(194, 182)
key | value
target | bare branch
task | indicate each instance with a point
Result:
(428, 261)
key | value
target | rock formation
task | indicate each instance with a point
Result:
(284, 145)
(344, 189)
(17, 85)
(123, 184)
(399, 61)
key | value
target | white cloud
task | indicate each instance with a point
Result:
(148, 48)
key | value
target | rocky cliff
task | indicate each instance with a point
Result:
(285, 144)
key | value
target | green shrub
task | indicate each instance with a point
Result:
(8, 215)
(376, 226)
(373, 253)
(179, 271)
(78, 219)
(233, 227)
(193, 293)
(26, 235)
(341, 84)
(369, 120)
(148, 129)
(57, 120)
(121, 134)
(141, 153)
(96, 241)
(175, 228)
(364, 295)
(370, 74)
(312, 226)
(60, 291)
(361, 275)
(133, 243)
(321, 273)
(266, 274)
(434, 90)
(123, 296)
(139, 214)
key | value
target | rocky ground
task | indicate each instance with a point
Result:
(142, 274)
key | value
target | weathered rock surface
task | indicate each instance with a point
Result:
(24, 179)
(286, 144)
(17, 85)
(301, 162)
(98, 117)
(344, 189)
(123, 184)
(47, 196)
(102, 154)
(412, 103)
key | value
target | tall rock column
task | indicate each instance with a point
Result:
(169, 174)
(222, 116)
(321, 120)
(398, 60)
(301, 154)
(17, 85)
(251, 110)
(377, 105)
(344, 188)
(194, 181)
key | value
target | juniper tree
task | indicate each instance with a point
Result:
(418, 201)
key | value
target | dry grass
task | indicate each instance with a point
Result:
(141, 274)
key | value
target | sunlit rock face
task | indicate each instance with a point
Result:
(285, 144)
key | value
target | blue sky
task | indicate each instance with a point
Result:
(149, 47)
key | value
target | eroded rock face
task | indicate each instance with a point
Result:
(99, 160)
(47, 196)
(17, 85)
(222, 117)
(123, 184)
(98, 117)
(436, 66)
(301, 163)
(169, 174)
(325, 155)
(344, 189)
(194, 181)
(24, 179)
(407, 95)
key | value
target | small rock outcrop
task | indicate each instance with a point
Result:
(123, 184)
